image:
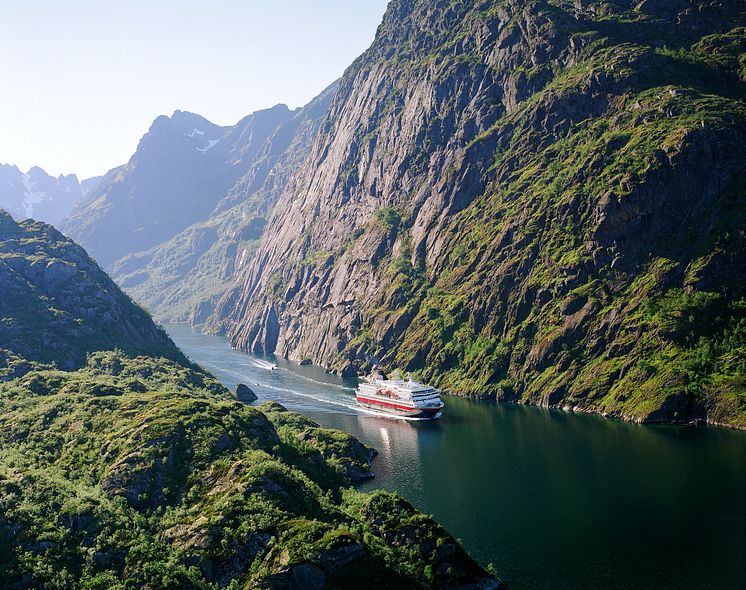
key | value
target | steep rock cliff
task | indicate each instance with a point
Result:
(535, 201)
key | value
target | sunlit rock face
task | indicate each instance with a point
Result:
(529, 201)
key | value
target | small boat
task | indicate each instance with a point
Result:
(396, 397)
(265, 365)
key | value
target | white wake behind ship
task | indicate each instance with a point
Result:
(397, 397)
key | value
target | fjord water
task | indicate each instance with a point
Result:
(551, 499)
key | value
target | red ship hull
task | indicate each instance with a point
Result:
(396, 408)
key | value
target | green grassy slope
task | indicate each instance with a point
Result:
(142, 473)
(608, 305)
(602, 267)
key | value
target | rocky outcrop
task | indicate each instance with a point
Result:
(244, 393)
(519, 200)
(57, 305)
(350, 458)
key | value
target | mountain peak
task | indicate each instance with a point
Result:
(185, 118)
(38, 195)
(9, 167)
(182, 123)
(179, 115)
(36, 171)
(280, 106)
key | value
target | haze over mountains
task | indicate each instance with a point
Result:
(189, 207)
(35, 194)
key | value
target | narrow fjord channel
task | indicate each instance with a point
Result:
(551, 499)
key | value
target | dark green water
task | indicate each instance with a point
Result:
(552, 500)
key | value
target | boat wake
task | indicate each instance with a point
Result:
(265, 365)
(324, 383)
(317, 398)
(395, 416)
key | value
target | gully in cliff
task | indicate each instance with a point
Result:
(396, 397)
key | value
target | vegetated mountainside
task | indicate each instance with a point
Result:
(173, 224)
(142, 472)
(57, 305)
(535, 201)
(38, 195)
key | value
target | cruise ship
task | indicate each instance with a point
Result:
(396, 397)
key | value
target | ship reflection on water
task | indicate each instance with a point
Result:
(385, 438)
(398, 442)
(400, 445)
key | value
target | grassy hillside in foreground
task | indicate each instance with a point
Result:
(142, 473)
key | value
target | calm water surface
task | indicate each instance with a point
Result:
(551, 499)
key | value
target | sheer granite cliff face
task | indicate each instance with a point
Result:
(535, 201)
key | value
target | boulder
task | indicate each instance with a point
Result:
(244, 393)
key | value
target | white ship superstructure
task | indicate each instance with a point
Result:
(400, 398)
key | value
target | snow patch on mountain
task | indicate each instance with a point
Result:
(210, 144)
(37, 195)
(30, 196)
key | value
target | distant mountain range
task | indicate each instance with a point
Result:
(173, 223)
(37, 195)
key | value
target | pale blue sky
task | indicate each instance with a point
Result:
(81, 80)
